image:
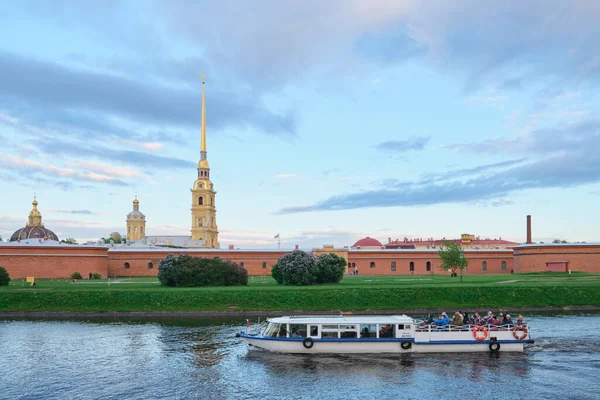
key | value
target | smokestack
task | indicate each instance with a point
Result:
(529, 230)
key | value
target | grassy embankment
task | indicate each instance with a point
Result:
(353, 293)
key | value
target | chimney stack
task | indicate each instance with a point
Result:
(529, 230)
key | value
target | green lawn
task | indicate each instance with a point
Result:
(263, 293)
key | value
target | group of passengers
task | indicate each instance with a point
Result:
(466, 320)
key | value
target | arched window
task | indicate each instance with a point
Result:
(142, 230)
(353, 265)
(503, 265)
(150, 265)
(128, 229)
(242, 264)
(428, 266)
(200, 201)
(199, 221)
(212, 200)
(135, 229)
(393, 266)
(484, 266)
(126, 265)
(372, 265)
(411, 266)
(264, 265)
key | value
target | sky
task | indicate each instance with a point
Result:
(327, 121)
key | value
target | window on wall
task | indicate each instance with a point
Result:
(212, 201)
(372, 265)
(411, 266)
(393, 266)
(150, 265)
(484, 266)
(135, 229)
(200, 222)
(200, 201)
(128, 229)
(126, 265)
(503, 265)
(142, 230)
(264, 265)
(428, 266)
(242, 264)
(353, 265)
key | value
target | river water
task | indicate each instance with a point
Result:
(179, 359)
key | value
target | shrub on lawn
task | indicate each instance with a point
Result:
(96, 276)
(331, 268)
(76, 275)
(4, 277)
(296, 268)
(189, 271)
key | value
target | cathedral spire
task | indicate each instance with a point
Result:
(203, 144)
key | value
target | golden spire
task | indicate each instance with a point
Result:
(203, 148)
(35, 217)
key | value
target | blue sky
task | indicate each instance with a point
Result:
(327, 121)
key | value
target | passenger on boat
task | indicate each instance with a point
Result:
(442, 321)
(521, 320)
(457, 319)
(295, 333)
(477, 319)
(364, 333)
(508, 320)
(385, 331)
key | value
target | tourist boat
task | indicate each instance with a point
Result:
(379, 334)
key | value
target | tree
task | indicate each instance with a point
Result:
(115, 240)
(559, 241)
(186, 271)
(69, 241)
(4, 277)
(330, 268)
(296, 268)
(453, 258)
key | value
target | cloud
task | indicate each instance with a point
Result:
(555, 161)
(29, 169)
(401, 146)
(55, 92)
(57, 146)
(289, 176)
(81, 212)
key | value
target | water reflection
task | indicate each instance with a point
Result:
(193, 359)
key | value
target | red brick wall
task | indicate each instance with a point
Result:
(533, 258)
(138, 260)
(53, 261)
(383, 261)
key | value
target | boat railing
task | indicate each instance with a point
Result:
(256, 329)
(430, 327)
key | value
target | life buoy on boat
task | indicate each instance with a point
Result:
(308, 343)
(405, 345)
(494, 347)
(478, 329)
(522, 329)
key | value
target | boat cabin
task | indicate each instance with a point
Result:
(340, 327)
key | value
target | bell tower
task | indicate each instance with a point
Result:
(204, 221)
(136, 223)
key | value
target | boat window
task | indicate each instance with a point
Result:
(272, 330)
(348, 331)
(314, 330)
(297, 330)
(330, 331)
(368, 330)
(400, 326)
(386, 330)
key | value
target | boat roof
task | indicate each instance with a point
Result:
(343, 319)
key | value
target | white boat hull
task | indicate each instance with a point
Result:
(367, 347)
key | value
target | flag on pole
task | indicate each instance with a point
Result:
(277, 236)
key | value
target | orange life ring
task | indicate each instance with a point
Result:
(521, 328)
(480, 329)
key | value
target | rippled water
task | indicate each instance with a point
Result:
(200, 359)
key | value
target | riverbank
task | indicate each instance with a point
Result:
(111, 315)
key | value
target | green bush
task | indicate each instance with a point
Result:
(296, 268)
(97, 276)
(186, 271)
(76, 275)
(331, 268)
(4, 277)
